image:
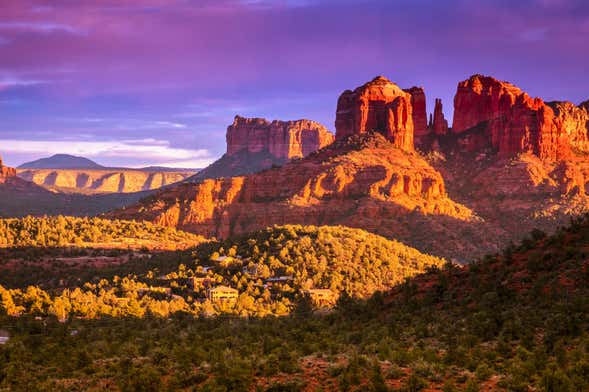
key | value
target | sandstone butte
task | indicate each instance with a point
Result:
(509, 163)
(379, 105)
(281, 139)
(256, 144)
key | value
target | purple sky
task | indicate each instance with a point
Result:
(141, 82)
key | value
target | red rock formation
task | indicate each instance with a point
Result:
(378, 105)
(373, 187)
(255, 144)
(439, 123)
(572, 124)
(6, 172)
(510, 121)
(282, 139)
(418, 103)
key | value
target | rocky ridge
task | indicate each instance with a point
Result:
(500, 116)
(360, 182)
(466, 191)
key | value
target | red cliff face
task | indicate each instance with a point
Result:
(510, 121)
(378, 105)
(6, 172)
(282, 139)
(418, 103)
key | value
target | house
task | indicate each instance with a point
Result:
(321, 297)
(4, 336)
(222, 294)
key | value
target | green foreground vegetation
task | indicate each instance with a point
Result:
(517, 321)
(60, 231)
(269, 271)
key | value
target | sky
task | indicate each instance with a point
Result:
(157, 82)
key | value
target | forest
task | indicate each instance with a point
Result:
(270, 269)
(61, 231)
(513, 321)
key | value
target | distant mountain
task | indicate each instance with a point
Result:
(66, 161)
(102, 180)
(68, 173)
(62, 161)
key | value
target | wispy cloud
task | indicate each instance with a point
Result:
(41, 27)
(9, 81)
(274, 4)
(171, 124)
(143, 151)
(126, 124)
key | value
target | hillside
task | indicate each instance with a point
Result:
(362, 182)
(60, 252)
(271, 269)
(61, 161)
(19, 198)
(63, 231)
(238, 164)
(105, 180)
(510, 322)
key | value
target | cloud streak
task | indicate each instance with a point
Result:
(152, 151)
(40, 27)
